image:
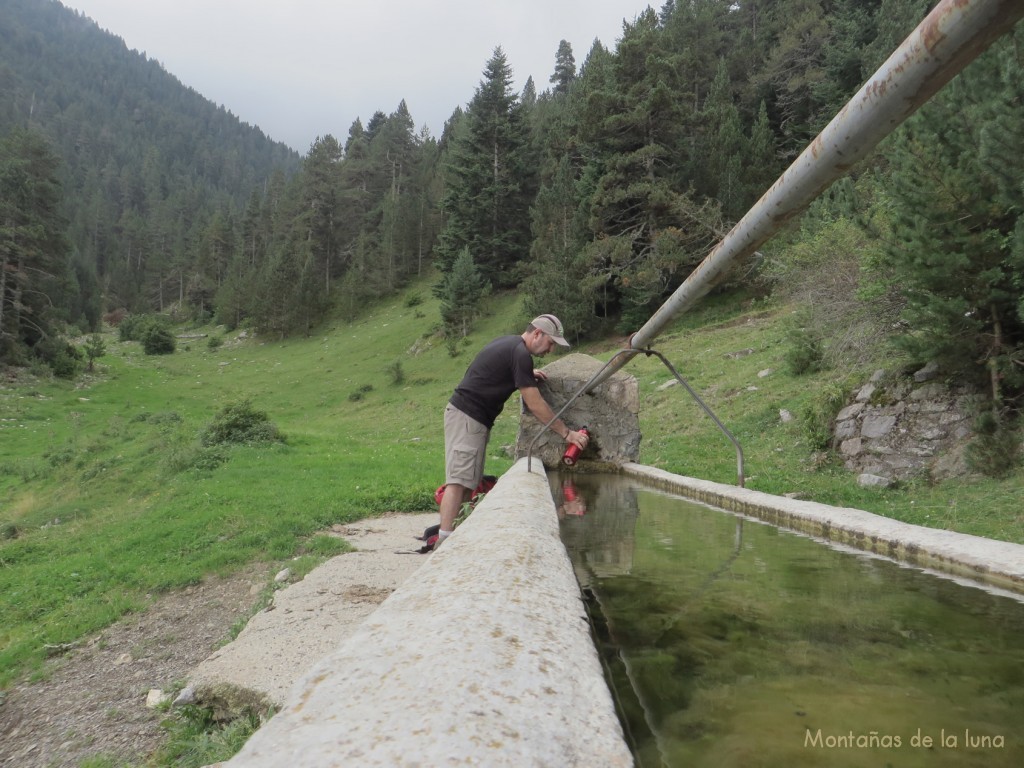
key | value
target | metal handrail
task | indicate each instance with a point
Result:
(740, 478)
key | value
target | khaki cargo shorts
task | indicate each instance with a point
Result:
(465, 448)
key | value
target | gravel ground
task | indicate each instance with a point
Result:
(93, 699)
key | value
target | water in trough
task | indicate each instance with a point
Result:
(728, 642)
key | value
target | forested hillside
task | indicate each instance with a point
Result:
(150, 171)
(592, 196)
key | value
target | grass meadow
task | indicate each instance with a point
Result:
(108, 497)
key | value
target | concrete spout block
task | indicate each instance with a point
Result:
(610, 413)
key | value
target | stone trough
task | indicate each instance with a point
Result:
(484, 656)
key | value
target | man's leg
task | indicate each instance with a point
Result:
(465, 447)
(455, 496)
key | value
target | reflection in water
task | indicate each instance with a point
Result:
(573, 503)
(732, 643)
(601, 540)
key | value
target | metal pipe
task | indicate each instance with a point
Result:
(948, 39)
(740, 476)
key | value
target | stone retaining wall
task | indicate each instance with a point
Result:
(898, 428)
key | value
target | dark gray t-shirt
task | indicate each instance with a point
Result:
(498, 370)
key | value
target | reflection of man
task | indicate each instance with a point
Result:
(575, 508)
(572, 503)
(500, 368)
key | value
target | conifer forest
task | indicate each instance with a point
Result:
(592, 194)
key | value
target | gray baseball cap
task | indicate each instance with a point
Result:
(552, 326)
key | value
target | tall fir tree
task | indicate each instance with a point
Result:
(565, 68)
(794, 71)
(764, 166)
(395, 153)
(35, 278)
(558, 281)
(319, 212)
(646, 232)
(489, 185)
(726, 150)
(958, 230)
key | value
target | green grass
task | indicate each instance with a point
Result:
(108, 498)
(780, 458)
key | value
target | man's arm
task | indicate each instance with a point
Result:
(542, 412)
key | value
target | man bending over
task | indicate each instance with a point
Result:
(498, 370)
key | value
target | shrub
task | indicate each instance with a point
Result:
(94, 348)
(451, 343)
(356, 396)
(157, 340)
(207, 459)
(63, 359)
(848, 309)
(135, 327)
(161, 418)
(115, 316)
(803, 353)
(396, 373)
(60, 457)
(132, 326)
(240, 423)
(820, 413)
(995, 450)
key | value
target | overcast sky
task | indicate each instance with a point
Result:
(305, 68)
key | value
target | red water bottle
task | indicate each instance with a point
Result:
(572, 453)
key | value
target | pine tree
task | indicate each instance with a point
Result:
(463, 292)
(845, 58)
(795, 70)
(488, 181)
(726, 149)
(763, 167)
(528, 98)
(319, 212)
(394, 153)
(558, 280)
(958, 228)
(894, 20)
(565, 68)
(557, 277)
(428, 188)
(355, 196)
(35, 278)
(646, 232)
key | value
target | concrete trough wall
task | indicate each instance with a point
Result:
(483, 657)
(996, 563)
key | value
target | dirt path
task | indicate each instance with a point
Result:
(93, 701)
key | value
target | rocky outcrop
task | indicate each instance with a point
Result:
(610, 412)
(901, 427)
